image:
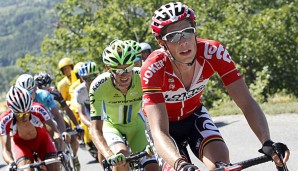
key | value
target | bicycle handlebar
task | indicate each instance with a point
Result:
(136, 156)
(131, 158)
(36, 165)
(247, 163)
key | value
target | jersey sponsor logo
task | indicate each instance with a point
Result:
(221, 52)
(125, 101)
(171, 80)
(91, 96)
(171, 86)
(98, 83)
(178, 96)
(43, 112)
(146, 100)
(133, 93)
(153, 68)
(116, 95)
(5, 120)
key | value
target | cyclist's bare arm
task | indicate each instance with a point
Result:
(82, 114)
(98, 139)
(6, 148)
(159, 125)
(71, 115)
(59, 119)
(51, 127)
(252, 111)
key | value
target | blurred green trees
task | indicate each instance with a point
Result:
(261, 37)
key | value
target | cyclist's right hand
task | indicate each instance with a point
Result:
(116, 159)
(12, 166)
(184, 166)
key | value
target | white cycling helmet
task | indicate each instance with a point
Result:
(26, 81)
(88, 68)
(18, 100)
(145, 46)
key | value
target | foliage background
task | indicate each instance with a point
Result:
(261, 37)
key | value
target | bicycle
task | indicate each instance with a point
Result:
(69, 151)
(39, 165)
(133, 159)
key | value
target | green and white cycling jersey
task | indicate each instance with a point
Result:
(108, 103)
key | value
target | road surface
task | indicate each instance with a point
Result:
(241, 141)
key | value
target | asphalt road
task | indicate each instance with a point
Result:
(241, 141)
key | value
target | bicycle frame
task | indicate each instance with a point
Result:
(69, 152)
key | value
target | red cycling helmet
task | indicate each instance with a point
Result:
(168, 14)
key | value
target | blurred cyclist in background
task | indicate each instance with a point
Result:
(44, 97)
(25, 128)
(44, 81)
(146, 50)
(87, 72)
(66, 66)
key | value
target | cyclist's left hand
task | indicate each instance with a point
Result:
(116, 159)
(268, 149)
(63, 157)
(79, 130)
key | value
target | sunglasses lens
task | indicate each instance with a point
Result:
(22, 114)
(121, 71)
(176, 36)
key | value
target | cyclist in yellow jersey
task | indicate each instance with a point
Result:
(66, 66)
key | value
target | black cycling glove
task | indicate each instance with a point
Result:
(269, 147)
(182, 165)
(12, 166)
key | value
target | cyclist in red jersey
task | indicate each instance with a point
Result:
(173, 80)
(24, 129)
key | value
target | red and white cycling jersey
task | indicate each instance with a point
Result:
(39, 114)
(161, 85)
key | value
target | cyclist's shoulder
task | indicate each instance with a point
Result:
(44, 97)
(204, 42)
(157, 55)
(64, 82)
(6, 119)
(102, 82)
(42, 93)
(80, 87)
(74, 85)
(39, 110)
(6, 116)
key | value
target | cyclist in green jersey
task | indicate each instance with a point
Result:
(115, 108)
